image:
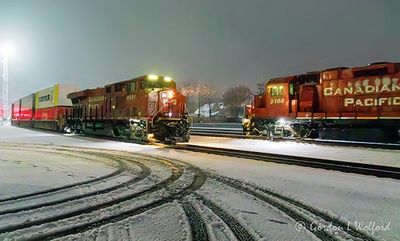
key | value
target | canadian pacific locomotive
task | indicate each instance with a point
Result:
(359, 104)
(147, 108)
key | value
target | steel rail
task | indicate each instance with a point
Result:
(335, 165)
(238, 134)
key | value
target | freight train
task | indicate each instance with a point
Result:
(355, 104)
(147, 108)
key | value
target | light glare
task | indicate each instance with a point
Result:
(167, 79)
(152, 77)
(7, 50)
(170, 94)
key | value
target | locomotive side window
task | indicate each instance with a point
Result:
(131, 87)
(108, 89)
(118, 87)
(291, 89)
(276, 90)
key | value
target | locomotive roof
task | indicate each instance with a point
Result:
(279, 80)
(83, 93)
(143, 77)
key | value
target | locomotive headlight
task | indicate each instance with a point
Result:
(152, 77)
(281, 121)
(164, 95)
(170, 94)
(167, 79)
(245, 121)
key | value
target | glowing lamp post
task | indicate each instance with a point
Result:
(6, 51)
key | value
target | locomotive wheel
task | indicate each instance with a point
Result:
(116, 132)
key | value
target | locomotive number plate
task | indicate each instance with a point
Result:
(277, 101)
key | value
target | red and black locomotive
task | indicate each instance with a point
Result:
(145, 108)
(360, 104)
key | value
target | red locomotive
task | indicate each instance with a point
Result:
(145, 108)
(360, 104)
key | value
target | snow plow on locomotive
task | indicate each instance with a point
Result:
(146, 108)
(354, 104)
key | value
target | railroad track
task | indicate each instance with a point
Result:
(234, 132)
(143, 187)
(343, 166)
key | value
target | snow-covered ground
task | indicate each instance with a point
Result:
(351, 154)
(356, 198)
(26, 171)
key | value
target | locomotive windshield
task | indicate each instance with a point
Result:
(157, 84)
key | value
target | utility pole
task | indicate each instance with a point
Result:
(5, 107)
(5, 52)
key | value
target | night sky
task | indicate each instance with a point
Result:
(222, 42)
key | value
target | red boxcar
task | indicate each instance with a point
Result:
(361, 103)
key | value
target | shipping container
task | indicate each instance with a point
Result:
(55, 95)
(27, 107)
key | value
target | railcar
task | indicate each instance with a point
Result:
(356, 104)
(44, 109)
(146, 108)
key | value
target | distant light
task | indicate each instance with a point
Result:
(152, 77)
(7, 50)
(167, 79)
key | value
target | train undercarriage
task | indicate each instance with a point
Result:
(164, 130)
(385, 131)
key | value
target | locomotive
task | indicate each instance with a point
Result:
(353, 104)
(147, 108)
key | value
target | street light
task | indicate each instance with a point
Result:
(6, 51)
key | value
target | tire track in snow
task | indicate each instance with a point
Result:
(117, 172)
(238, 230)
(175, 194)
(197, 225)
(298, 211)
(145, 171)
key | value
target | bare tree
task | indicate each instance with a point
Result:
(235, 97)
(209, 93)
(201, 93)
(261, 86)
